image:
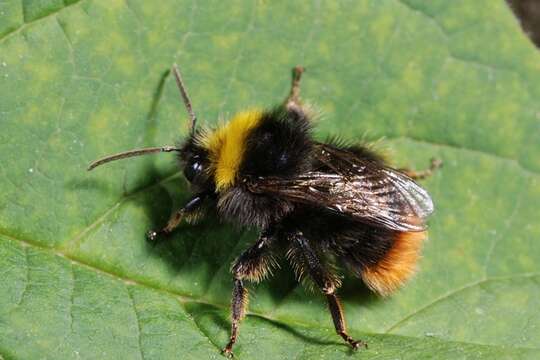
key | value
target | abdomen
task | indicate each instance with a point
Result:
(384, 259)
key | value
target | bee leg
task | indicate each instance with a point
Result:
(339, 321)
(293, 100)
(190, 209)
(253, 265)
(328, 286)
(238, 308)
(422, 174)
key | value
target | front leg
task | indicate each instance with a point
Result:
(188, 210)
(254, 264)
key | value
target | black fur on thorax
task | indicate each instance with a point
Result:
(280, 145)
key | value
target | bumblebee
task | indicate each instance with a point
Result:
(327, 207)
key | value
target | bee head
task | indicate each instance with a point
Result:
(193, 168)
(195, 163)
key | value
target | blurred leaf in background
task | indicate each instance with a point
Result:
(80, 79)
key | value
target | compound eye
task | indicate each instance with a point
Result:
(192, 170)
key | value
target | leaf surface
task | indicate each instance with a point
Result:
(84, 78)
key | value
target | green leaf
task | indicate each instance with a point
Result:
(80, 79)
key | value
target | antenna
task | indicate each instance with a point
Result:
(185, 97)
(153, 150)
(131, 153)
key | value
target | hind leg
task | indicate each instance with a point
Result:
(293, 100)
(327, 283)
(422, 174)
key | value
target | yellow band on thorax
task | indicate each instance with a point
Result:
(226, 146)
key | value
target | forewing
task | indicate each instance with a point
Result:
(361, 189)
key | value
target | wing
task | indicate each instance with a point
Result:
(363, 189)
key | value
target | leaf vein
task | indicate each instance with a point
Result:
(71, 297)
(137, 320)
(457, 291)
(73, 241)
(496, 239)
(496, 157)
(26, 24)
(182, 298)
(197, 326)
(26, 276)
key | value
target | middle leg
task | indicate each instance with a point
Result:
(254, 264)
